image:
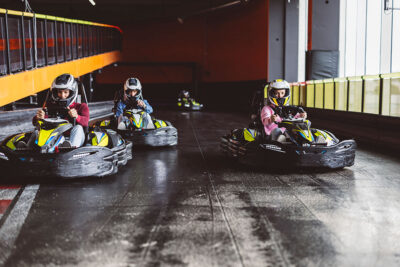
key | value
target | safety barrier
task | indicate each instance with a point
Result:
(372, 94)
(29, 41)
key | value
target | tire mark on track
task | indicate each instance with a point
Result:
(269, 227)
(306, 207)
(232, 236)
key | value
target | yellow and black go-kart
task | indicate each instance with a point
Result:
(301, 146)
(189, 104)
(142, 129)
(103, 152)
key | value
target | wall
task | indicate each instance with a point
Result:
(228, 45)
(369, 38)
(277, 39)
(284, 39)
(291, 40)
(325, 24)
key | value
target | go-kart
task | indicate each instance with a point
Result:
(140, 128)
(189, 104)
(103, 152)
(301, 146)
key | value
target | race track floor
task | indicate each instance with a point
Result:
(190, 206)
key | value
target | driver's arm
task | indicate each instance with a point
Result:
(119, 108)
(148, 108)
(300, 112)
(268, 116)
(83, 115)
(40, 114)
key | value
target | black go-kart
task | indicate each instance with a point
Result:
(189, 104)
(43, 154)
(103, 152)
(142, 129)
(300, 146)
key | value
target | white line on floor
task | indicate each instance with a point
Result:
(9, 231)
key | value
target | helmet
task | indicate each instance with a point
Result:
(133, 84)
(62, 82)
(269, 92)
(185, 94)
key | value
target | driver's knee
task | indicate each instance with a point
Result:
(77, 136)
(277, 135)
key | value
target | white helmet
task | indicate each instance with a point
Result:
(133, 84)
(64, 81)
(269, 92)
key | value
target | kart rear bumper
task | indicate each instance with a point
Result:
(165, 136)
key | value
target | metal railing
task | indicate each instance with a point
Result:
(372, 94)
(29, 41)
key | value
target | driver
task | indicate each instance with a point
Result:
(130, 98)
(277, 96)
(184, 98)
(63, 93)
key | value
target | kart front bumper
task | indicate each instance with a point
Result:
(80, 162)
(337, 156)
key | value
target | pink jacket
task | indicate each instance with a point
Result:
(266, 114)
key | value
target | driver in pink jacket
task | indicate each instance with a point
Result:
(278, 95)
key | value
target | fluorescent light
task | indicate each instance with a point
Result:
(92, 2)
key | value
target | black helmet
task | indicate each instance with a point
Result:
(62, 82)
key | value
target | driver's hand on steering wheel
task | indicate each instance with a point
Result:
(141, 104)
(73, 113)
(40, 114)
(303, 115)
(274, 118)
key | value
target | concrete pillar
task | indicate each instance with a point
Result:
(283, 39)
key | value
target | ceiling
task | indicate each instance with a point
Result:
(121, 11)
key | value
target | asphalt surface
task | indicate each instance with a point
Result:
(190, 206)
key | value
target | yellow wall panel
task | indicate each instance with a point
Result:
(395, 97)
(355, 94)
(296, 94)
(303, 94)
(372, 86)
(319, 94)
(340, 94)
(386, 82)
(310, 91)
(329, 94)
(291, 90)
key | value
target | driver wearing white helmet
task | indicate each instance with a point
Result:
(277, 94)
(130, 97)
(64, 93)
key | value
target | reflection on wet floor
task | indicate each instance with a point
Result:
(188, 205)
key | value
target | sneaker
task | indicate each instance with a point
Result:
(65, 144)
(281, 139)
(21, 144)
(121, 126)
